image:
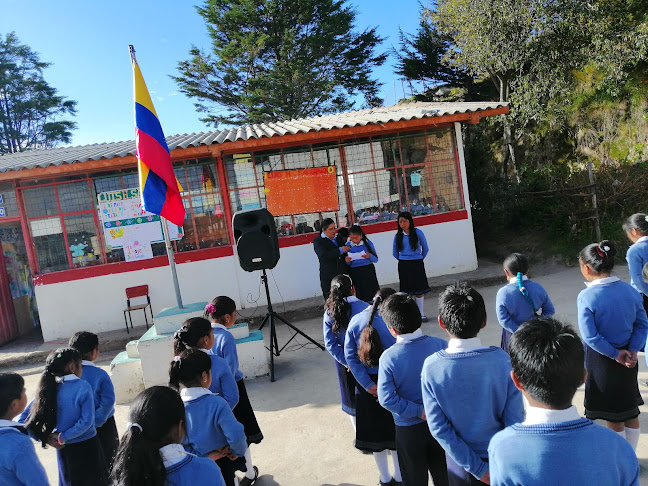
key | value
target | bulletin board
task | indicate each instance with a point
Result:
(301, 191)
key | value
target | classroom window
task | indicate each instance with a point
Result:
(8, 201)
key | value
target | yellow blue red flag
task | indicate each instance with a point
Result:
(159, 188)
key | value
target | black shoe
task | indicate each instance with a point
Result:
(247, 481)
(424, 319)
(396, 483)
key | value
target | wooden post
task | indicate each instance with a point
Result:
(597, 225)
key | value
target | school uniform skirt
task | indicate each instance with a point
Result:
(109, 440)
(411, 274)
(82, 464)
(229, 467)
(245, 415)
(611, 389)
(375, 429)
(365, 281)
(347, 388)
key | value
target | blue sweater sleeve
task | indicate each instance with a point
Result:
(331, 342)
(635, 267)
(640, 329)
(548, 309)
(388, 397)
(503, 315)
(373, 254)
(106, 405)
(445, 434)
(590, 333)
(423, 243)
(86, 411)
(353, 362)
(228, 389)
(514, 407)
(395, 251)
(232, 429)
(26, 465)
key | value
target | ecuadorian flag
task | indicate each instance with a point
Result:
(159, 188)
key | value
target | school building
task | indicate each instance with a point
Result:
(60, 270)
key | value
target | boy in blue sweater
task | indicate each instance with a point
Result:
(468, 394)
(554, 445)
(87, 343)
(399, 391)
(19, 464)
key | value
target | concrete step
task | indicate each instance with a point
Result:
(131, 349)
(126, 376)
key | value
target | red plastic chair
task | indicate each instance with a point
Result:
(133, 292)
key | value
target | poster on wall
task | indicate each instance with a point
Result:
(127, 225)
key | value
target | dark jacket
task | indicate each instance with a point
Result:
(331, 262)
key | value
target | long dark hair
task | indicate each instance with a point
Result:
(357, 230)
(41, 420)
(138, 461)
(638, 221)
(336, 305)
(219, 307)
(371, 347)
(413, 237)
(190, 333)
(187, 368)
(599, 256)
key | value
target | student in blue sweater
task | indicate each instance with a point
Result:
(520, 300)
(636, 229)
(87, 344)
(467, 390)
(19, 464)
(613, 324)
(367, 337)
(399, 391)
(410, 248)
(554, 445)
(221, 312)
(361, 258)
(151, 451)
(212, 429)
(63, 416)
(197, 333)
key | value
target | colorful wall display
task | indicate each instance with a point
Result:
(301, 191)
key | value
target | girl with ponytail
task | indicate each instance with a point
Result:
(212, 429)
(197, 333)
(636, 229)
(151, 453)
(613, 325)
(361, 258)
(62, 415)
(340, 307)
(367, 337)
(521, 300)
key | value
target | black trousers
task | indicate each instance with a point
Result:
(418, 453)
(458, 476)
(228, 467)
(109, 440)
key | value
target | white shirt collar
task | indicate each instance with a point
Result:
(217, 325)
(207, 351)
(188, 394)
(514, 279)
(406, 338)
(456, 345)
(63, 379)
(602, 281)
(87, 363)
(351, 298)
(10, 423)
(172, 454)
(537, 416)
(643, 238)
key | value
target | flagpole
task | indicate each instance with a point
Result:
(174, 274)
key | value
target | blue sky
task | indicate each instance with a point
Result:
(87, 44)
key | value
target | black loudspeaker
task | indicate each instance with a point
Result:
(256, 240)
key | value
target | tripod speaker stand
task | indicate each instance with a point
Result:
(270, 317)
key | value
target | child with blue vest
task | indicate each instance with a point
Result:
(197, 333)
(366, 339)
(19, 464)
(221, 312)
(151, 451)
(212, 429)
(520, 300)
(636, 229)
(340, 307)
(399, 391)
(554, 445)
(410, 248)
(467, 390)
(63, 416)
(361, 258)
(87, 344)
(613, 324)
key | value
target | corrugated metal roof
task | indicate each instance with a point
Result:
(381, 115)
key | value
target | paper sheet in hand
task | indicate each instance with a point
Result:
(357, 256)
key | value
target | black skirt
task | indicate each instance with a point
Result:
(365, 282)
(229, 467)
(82, 464)
(347, 388)
(109, 440)
(611, 389)
(411, 274)
(506, 336)
(245, 415)
(375, 429)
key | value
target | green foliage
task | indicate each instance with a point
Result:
(280, 59)
(30, 109)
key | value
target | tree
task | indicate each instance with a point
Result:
(30, 109)
(280, 59)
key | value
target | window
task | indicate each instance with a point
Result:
(8, 202)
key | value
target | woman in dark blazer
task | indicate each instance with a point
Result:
(331, 257)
